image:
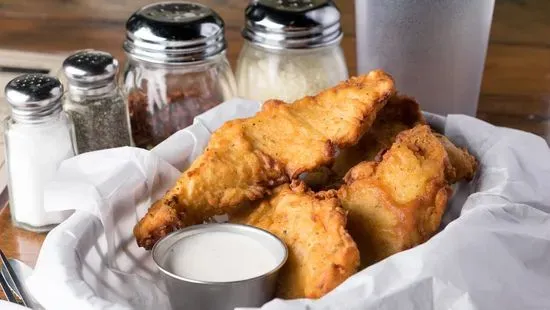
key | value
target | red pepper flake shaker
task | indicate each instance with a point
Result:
(176, 68)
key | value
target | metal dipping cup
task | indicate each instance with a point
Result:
(187, 293)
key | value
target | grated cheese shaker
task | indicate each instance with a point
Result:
(292, 49)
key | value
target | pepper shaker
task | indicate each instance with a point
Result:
(38, 137)
(291, 49)
(94, 102)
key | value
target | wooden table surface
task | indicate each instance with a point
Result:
(515, 90)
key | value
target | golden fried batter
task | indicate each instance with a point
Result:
(463, 163)
(245, 158)
(400, 113)
(397, 202)
(321, 252)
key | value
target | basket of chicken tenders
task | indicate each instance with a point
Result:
(349, 199)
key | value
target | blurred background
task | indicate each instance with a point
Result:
(516, 83)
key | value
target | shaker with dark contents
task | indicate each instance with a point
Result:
(94, 102)
(176, 68)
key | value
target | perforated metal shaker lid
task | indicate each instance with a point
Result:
(90, 67)
(174, 32)
(292, 24)
(34, 96)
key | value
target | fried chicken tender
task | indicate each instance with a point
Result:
(397, 202)
(463, 163)
(400, 113)
(245, 158)
(321, 252)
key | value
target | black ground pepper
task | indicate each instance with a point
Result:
(94, 103)
(100, 123)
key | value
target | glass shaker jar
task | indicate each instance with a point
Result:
(38, 137)
(292, 49)
(94, 102)
(176, 68)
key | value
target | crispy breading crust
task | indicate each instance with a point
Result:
(398, 202)
(321, 252)
(399, 114)
(463, 163)
(245, 158)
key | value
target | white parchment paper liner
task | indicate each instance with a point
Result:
(494, 252)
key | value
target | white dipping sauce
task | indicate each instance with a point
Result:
(219, 257)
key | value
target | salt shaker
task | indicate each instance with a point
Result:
(38, 137)
(94, 102)
(176, 68)
(291, 49)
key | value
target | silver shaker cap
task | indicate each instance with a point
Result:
(34, 96)
(90, 68)
(174, 32)
(292, 24)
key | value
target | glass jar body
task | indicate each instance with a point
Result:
(34, 151)
(288, 74)
(164, 98)
(101, 121)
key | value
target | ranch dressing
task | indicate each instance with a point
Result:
(219, 257)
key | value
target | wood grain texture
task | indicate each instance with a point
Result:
(67, 25)
(16, 242)
(515, 90)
